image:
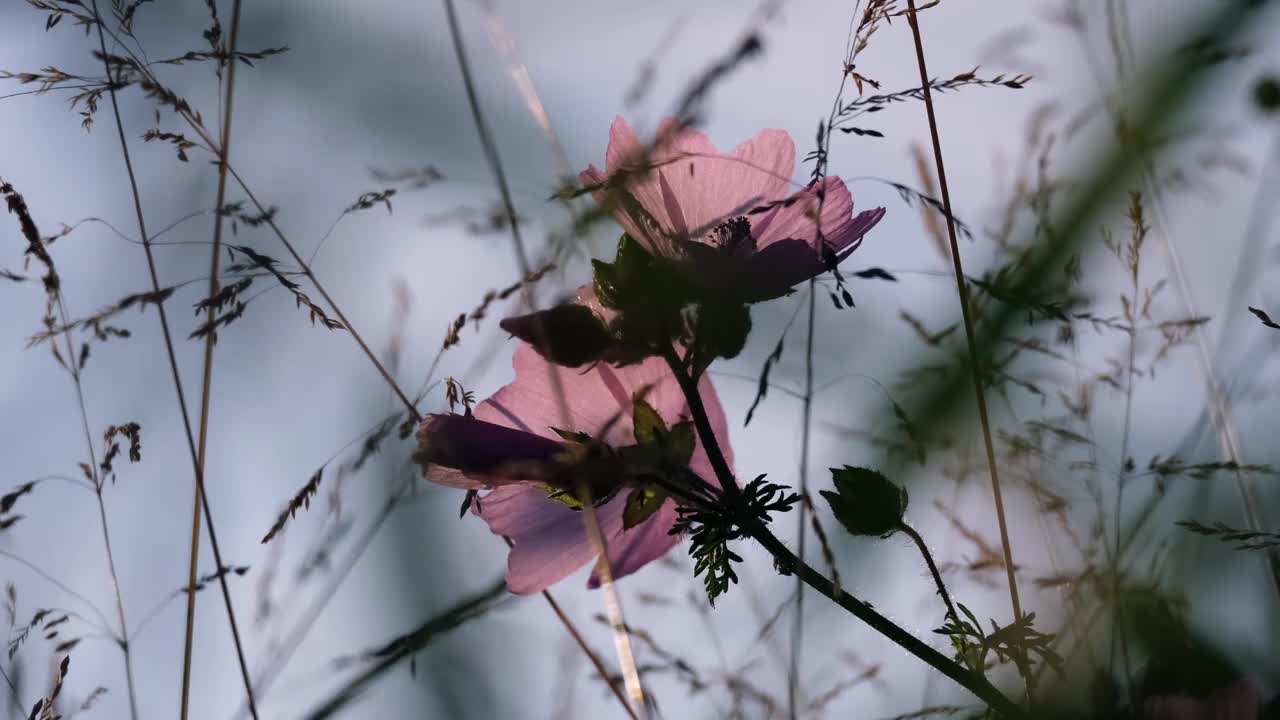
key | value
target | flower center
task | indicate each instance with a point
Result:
(733, 236)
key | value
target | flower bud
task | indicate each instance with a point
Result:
(866, 502)
(569, 335)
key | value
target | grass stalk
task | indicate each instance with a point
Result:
(966, 315)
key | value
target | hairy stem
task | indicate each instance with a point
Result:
(933, 567)
(784, 558)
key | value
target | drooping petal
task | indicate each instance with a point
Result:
(848, 237)
(633, 549)
(549, 539)
(1238, 701)
(467, 452)
(773, 271)
(796, 219)
(581, 400)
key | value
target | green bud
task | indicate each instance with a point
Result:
(866, 502)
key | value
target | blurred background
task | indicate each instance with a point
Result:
(369, 92)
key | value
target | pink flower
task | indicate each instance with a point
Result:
(509, 446)
(694, 204)
(1238, 701)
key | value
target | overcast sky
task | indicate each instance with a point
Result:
(374, 86)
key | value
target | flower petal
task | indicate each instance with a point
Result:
(703, 186)
(611, 199)
(713, 186)
(577, 400)
(632, 549)
(549, 539)
(795, 219)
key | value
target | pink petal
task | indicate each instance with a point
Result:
(796, 220)
(625, 149)
(637, 547)
(719, 428)
(703, 185)
(453, 477)
(713, 186)
(597, 399)
(611, 200)
(549, 539)
(1238, 701)
(633, 549)
(533, 402)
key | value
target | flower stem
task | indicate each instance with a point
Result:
(933, 567)
(724, 474)
(974, 683)
(784, 558)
